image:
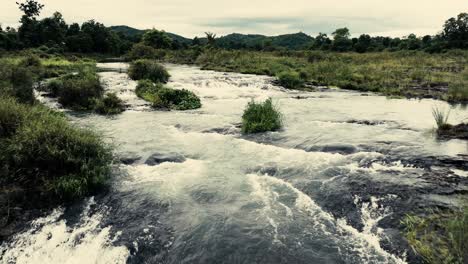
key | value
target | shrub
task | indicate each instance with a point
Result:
(22, 81)
(147, 69)
(42, 153)
(147, 90)
(80, 91)
(178, 99)
(290, 79)
(141, 51)
(30, 61)
(163, 97)
(53, 87)
(110, 104)
(261, 117)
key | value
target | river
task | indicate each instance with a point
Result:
(330, 187)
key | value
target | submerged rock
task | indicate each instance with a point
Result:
(344, 149)
(129, 158)
(158, 158)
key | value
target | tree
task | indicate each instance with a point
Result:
(322, 42)
(157, 39)
(53, 29)
(341, 41)
(28, 31)
(30, 8)
(363, 43)
(211, 38)
(455, 31)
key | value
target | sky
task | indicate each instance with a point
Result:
(396, 18)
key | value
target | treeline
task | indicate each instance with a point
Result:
(454, 35)
(53, 34)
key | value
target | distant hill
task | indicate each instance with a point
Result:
(135, 33)
(296, 41)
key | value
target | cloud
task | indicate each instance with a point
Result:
(190, 18)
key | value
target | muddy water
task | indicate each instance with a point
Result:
(329, 188)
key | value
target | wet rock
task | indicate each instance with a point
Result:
(129, 158)
(451, 132)
(158, 158)
(365, 122)
(344, 149)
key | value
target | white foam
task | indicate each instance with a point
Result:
(51, 241)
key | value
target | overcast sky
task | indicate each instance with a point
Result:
(270, 17)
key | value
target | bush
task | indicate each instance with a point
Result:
(147, 90)
(291, 79)
(163, 97)
(80, 91)
(261, 117)
(141, 51)
(178, 99)
(110, 104)
(16, 81)
(42, 153)
(147, 69)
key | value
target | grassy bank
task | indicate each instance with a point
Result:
(44, 159)
(406, 73)
(439, 237)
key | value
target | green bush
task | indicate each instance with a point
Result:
(148, 90)
(261, 117)
(291, 79)
(80, 91)
(42, 153)
(16, 81)
(178, 99)
(163, 97)
(148, 69)
(141, 51)
(110, 104)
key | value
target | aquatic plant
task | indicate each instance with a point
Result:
(441, 117)
(43, 153)
(261, 117)
(110, 104)
(439, 237)
(148, 69)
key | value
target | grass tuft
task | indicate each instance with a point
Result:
(261, 117)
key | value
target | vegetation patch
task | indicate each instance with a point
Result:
(290, 79)
(43, 154)
(148, 69)
(110, 104)
(164, 97)
(261, 117)
(439, 238)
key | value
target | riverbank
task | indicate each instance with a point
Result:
(409, 74)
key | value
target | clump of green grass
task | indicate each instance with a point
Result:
(178, 99)
(441, 118)
(148, 69)
(148, 90)
(163, 97)
(439, 238)
(291, 79)
(78, 91)
(110, 104)
(458, 88)
(261, 117)
(41, 152)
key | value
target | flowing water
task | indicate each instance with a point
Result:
(329, 188)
